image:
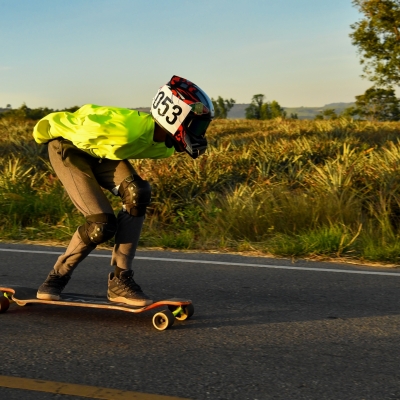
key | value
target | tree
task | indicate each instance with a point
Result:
(350, 112)
(260, 110)
(24, 112)
(254, 110)
(265, 111)
(377, 36)
(328, 113)
(71, 109)
(378, 104)
(276, 110)
(222, 106)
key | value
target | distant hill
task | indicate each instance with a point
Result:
(238, 110)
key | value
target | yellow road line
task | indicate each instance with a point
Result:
(92, 392)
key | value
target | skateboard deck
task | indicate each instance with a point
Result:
(175, 308)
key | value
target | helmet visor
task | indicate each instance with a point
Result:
(197, 127)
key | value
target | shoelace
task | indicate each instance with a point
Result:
(131, 284)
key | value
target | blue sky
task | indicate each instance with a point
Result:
(119, 52)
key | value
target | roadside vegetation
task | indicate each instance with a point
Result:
(285, 187)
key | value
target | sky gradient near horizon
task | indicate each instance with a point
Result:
(119, 52)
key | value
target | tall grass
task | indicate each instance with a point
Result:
(282, 187)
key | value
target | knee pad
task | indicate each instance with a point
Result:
(135, 194)
(98, 228)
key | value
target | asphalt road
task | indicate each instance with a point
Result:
(257, 333)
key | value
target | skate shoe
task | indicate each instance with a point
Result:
(52, 287)
(125, 290)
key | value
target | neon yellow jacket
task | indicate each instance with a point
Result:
(104, 132)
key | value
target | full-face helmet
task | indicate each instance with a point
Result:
(185, 112)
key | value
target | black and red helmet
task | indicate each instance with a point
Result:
(185, 112)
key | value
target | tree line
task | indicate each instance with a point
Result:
(258, 108)
(376, 104)
(24, 112)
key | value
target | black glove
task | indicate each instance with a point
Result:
(170, 142)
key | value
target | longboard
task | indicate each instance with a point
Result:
(175, 308)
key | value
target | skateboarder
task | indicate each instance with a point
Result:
(89, 150)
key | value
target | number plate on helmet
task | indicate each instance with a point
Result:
(169, 110)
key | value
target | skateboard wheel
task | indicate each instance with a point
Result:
(187, 312)
(4, 304)
(163, 320)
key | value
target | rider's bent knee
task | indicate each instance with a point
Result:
(135, 194)
(98, 228)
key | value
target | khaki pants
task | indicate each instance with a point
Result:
(83, 177)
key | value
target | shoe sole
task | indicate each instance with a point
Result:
(131, 302)
(47, 296)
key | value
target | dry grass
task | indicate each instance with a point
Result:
(283, 187)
